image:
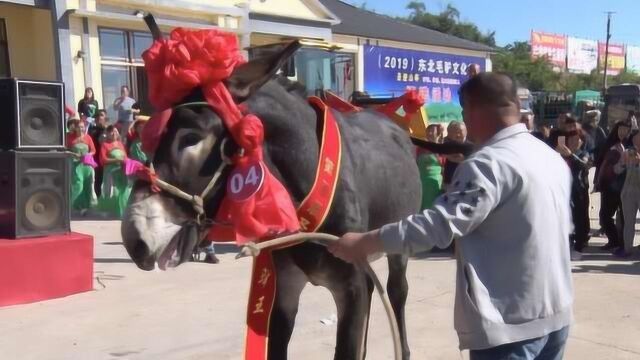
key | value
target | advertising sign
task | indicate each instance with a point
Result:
(582, 55)
(438, 77)
(615, 60)
(633, 59)
(551, 46)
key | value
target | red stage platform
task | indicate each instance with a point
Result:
(43, 268)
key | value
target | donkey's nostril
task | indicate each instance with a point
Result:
(140, 250)
(140, 254)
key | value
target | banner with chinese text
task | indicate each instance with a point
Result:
(633, 59)
(615, 60)
(438, 77)
(582, 55)
(551, 46)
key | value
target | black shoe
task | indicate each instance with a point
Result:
(211, 259)
(621, 253)
(608, 247)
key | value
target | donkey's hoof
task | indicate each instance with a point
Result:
(211, 259)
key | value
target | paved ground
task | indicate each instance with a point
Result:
(197, 312)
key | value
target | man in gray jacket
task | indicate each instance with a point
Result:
(509, 211)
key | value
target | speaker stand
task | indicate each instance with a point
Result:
(37, 269)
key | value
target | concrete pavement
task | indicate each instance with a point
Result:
(197, 312)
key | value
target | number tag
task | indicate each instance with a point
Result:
(244, 181)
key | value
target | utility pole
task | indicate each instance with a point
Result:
(606, 52)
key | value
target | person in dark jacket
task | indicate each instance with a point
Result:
(579, 162)
(609, 182)
(88, 106)
(97, 133)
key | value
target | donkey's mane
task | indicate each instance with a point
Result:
(292, 87)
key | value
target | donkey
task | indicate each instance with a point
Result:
(378, 184)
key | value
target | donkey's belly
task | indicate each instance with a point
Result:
(379, 171)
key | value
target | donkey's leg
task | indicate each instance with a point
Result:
(290, 282)
(370, 288)
(398, 289)
(352, 295)
(348, 286)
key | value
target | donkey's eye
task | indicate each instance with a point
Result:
(189, 140)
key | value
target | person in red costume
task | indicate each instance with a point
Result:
(115, 184)
(83, 196)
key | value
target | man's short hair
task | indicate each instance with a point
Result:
(490, 89)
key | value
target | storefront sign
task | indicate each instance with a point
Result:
(551, 46)
(615, 60)
(438, 77)
(582, 55)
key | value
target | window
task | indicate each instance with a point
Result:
(141, 42)
(5, 69)
(113, 44)
(321, 70)
(121, 56)
(113, 77)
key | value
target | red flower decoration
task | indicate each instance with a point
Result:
(204, 58)
(413, 101)
(190, 59)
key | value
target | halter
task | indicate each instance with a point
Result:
(196, 201)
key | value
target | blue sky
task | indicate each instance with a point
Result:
(514, 19)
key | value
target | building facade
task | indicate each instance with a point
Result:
(98, 44)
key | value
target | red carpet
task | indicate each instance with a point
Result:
(37, 269)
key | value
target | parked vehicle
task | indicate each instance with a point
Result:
(620, 101)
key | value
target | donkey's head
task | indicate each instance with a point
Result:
(159, 226)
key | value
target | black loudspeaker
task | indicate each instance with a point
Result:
(34, 200)
(32, 115)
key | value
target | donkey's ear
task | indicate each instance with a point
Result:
(249, 77)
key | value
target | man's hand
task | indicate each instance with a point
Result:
(355, 247)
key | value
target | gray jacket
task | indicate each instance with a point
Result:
(509, 211)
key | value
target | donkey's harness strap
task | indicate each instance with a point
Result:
(197, 201)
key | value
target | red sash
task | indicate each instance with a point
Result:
(312, 212)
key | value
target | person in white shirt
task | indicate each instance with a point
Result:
(509, 212)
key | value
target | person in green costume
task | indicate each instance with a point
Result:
(116, 186)
(135, 147)
(83, 196)
(430, 168)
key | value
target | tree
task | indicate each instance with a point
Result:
(418, 8)
(448, 22)
(625, 77)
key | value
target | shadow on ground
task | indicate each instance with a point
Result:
(621, 268)
(226, 248)
(112, 261)
(94, 215)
